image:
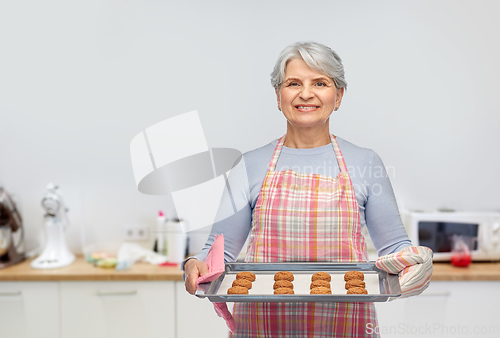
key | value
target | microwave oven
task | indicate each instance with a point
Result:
(435, 230)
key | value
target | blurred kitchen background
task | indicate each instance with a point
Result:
(79, 79)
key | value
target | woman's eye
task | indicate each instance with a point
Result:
(293, 84)
(320, 84)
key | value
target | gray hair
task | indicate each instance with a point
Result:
(317, 56)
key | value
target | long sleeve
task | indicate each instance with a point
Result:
(381, 212)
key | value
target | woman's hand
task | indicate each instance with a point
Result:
(193, 269)
(414, 267)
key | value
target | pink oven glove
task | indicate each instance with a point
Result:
(216, 267)
(414, 267)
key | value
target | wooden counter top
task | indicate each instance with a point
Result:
(80, 270)
(474, 272)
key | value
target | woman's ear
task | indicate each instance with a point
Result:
(340, 94)
(278, 98)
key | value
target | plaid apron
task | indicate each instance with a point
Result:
(305, 217)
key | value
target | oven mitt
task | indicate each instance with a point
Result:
(216, 267)
(414, 267)
(214, 261)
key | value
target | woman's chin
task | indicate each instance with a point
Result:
(307, 125)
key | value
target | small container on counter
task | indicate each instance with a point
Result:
(101, 255)
(461, 252)
(176, 241)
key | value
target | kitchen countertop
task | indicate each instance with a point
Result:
(474, 272)
(80, 270)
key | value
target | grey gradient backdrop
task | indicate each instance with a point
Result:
(79, 79)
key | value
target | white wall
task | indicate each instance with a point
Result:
(79, 79)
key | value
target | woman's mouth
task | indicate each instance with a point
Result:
(306, 108)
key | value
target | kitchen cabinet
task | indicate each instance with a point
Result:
(29, 309)
(150, 301)
(197, 317)
(117, 309)
(445, 309)
(136, 309)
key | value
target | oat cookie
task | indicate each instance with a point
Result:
(320, 282)
(320, 290)
(321, 276)
(246, 275)
(284, 291)
(283, 275)
(282, 284)
(357, 291)
(243, 282)
(237, 290)
(354, 275)
(354, 283)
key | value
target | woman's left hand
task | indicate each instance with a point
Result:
(414, 266)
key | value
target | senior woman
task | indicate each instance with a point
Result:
(301, 203)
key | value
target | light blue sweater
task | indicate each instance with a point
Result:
(377, 205)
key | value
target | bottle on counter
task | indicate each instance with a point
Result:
(176, 241)
(161, 240)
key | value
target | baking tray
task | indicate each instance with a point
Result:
(379, 284)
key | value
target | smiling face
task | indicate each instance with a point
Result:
(307, 98)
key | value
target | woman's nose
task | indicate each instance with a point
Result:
(306, 93)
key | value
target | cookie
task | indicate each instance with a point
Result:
(246, 275)
(282, 284)
(321, 276)
(283, 275)
(320, 282)
(320, 290)
(354, 283)
(357, 291)
(243, 282)
(237, 290)
(284, 291)
(354, 275)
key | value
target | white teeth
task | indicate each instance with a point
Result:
(301, 107)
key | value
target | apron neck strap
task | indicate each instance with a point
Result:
(276, 154)
(338, 154)
(336, 149)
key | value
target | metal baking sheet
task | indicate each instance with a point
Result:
(379, 284)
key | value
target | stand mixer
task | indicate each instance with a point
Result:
(10, 224)
(56, 253)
